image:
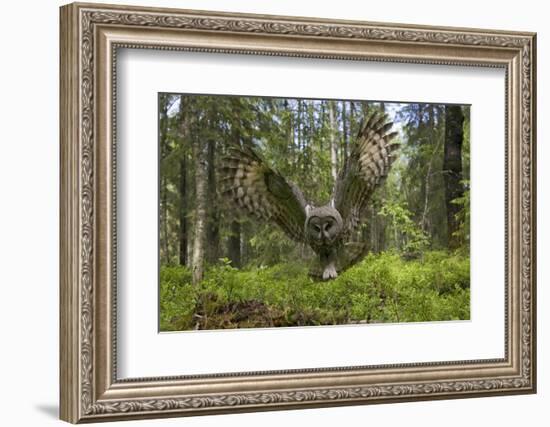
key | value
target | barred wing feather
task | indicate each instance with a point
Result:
(261, 192)
(365, 170)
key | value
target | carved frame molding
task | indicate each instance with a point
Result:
(90, 36)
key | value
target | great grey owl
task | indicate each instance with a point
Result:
(330, 230)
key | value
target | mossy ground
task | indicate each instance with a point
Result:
(381, 288)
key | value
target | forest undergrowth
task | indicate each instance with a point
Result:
(382, 288)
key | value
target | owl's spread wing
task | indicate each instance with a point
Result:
(367, 165)
(261, 192)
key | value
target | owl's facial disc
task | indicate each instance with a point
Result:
(314, 228)
(323, 229)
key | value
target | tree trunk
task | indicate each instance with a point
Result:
(373, 230)
(352, 123)
(184, 120)
(234, 239)
(333, 143)
(245, 249)
(201, 183)
(428, 178)
(234, 244)
(213, 229)
(299, 127)
(163, 182)
(345, 127)
(452, 169)
(310, 138)
(183, 211)
(322, 121)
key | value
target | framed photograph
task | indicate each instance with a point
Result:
(267, 212)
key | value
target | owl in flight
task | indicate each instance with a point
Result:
(332, 230)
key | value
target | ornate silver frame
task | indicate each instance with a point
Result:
(90, 36)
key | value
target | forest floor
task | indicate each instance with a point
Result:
(382, 288)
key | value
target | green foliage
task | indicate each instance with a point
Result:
(421, 184)
(177, 299)
(409, 237)
(382, 288)
(463, 216)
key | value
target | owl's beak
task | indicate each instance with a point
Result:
(325, 231)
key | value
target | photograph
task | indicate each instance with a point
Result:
(281, 212)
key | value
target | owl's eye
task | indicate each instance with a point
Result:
(316, 227)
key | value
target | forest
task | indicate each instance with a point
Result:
(221, 269)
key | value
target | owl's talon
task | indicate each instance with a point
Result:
(330, 272)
